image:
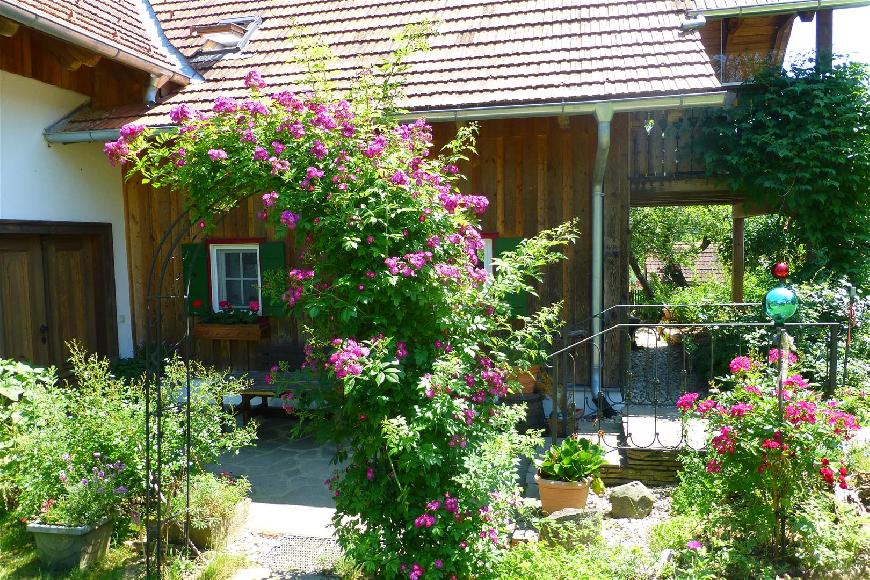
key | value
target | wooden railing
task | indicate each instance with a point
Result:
(666, 144)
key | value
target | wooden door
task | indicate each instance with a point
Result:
(52, 291)
(71, 295)
(24, 332)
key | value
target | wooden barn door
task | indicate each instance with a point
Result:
(24, 332)
(52, 291)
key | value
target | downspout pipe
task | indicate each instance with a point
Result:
(604, 116)
(103, 48)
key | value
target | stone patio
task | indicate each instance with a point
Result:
(289, 530)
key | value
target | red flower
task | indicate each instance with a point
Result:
(225, 305)
(196, 303)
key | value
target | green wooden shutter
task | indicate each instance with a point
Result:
(519, 301)
(194, 259)
(272, 258)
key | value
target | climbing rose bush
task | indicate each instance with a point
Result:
(762, 463)
(394, 302)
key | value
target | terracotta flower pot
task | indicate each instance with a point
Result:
(558, 495)
(528, 379)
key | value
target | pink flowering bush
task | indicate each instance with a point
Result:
(762, 468)
(397, 310)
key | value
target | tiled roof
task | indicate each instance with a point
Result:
(486, 52)
(117, 22)
(707, 266)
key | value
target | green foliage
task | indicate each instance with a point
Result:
(674, 533)
(222, 566)
(677, 235)
(575, 459)
(213, 499)
(798, 142)
(763, 470)
(60, 430)
(597, 561)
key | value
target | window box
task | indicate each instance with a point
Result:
(245, 332)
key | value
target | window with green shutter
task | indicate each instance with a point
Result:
(519, 301)
(216, 273)
(272, 257)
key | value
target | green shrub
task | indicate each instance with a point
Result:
(764, 470)
(597, 561)
(675, 533)
(60, 429)
(213, 499)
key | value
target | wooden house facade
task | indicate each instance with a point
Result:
(585, 109)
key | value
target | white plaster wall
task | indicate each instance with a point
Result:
(59, 182)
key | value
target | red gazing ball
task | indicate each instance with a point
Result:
(779, 270)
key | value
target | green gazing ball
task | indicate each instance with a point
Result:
(780, 304)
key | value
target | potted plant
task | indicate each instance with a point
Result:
(219, 506)
(73, 530)
(567, 471)
(231, 323)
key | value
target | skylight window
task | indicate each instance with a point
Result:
(227, 35)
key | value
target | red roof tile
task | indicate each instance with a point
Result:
(118, 23)
(486, 52)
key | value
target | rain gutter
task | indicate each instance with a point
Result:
(603, 115)
(101, 47)
(710, 99)
(778, 8)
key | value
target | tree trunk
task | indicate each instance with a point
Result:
(638, 273)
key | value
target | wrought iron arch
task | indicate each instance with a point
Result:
(185, 227)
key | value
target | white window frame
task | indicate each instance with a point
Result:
(488, 245)
(215, 282)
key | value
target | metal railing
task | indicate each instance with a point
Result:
(647, 366)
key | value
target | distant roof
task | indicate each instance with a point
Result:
(120, 24)
(486, 53)
(707, 266)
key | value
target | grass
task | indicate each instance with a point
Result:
(222, 566)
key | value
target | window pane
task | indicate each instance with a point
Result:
(250, 287)
(249, 265)
(232, 263)
(234, 292)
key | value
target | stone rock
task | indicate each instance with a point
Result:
(571, 527)
(632, 500)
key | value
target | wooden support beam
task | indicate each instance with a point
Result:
(8, 28)
(71, 57)
(824, 39)
(738, 230)
(780, 43)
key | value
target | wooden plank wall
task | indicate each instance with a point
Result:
(39, 56)
(149, 214)
(536, 173)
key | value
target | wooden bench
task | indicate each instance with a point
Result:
(289, 382)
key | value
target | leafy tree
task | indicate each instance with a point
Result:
(798, 142)
(675, 236)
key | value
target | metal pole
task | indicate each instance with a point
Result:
(833, 344)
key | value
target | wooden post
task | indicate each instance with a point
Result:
(824, 39)
(737, 257)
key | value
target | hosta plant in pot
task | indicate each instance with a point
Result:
(567, 471)
(73, 529)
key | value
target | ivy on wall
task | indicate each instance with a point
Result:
(798, 142)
